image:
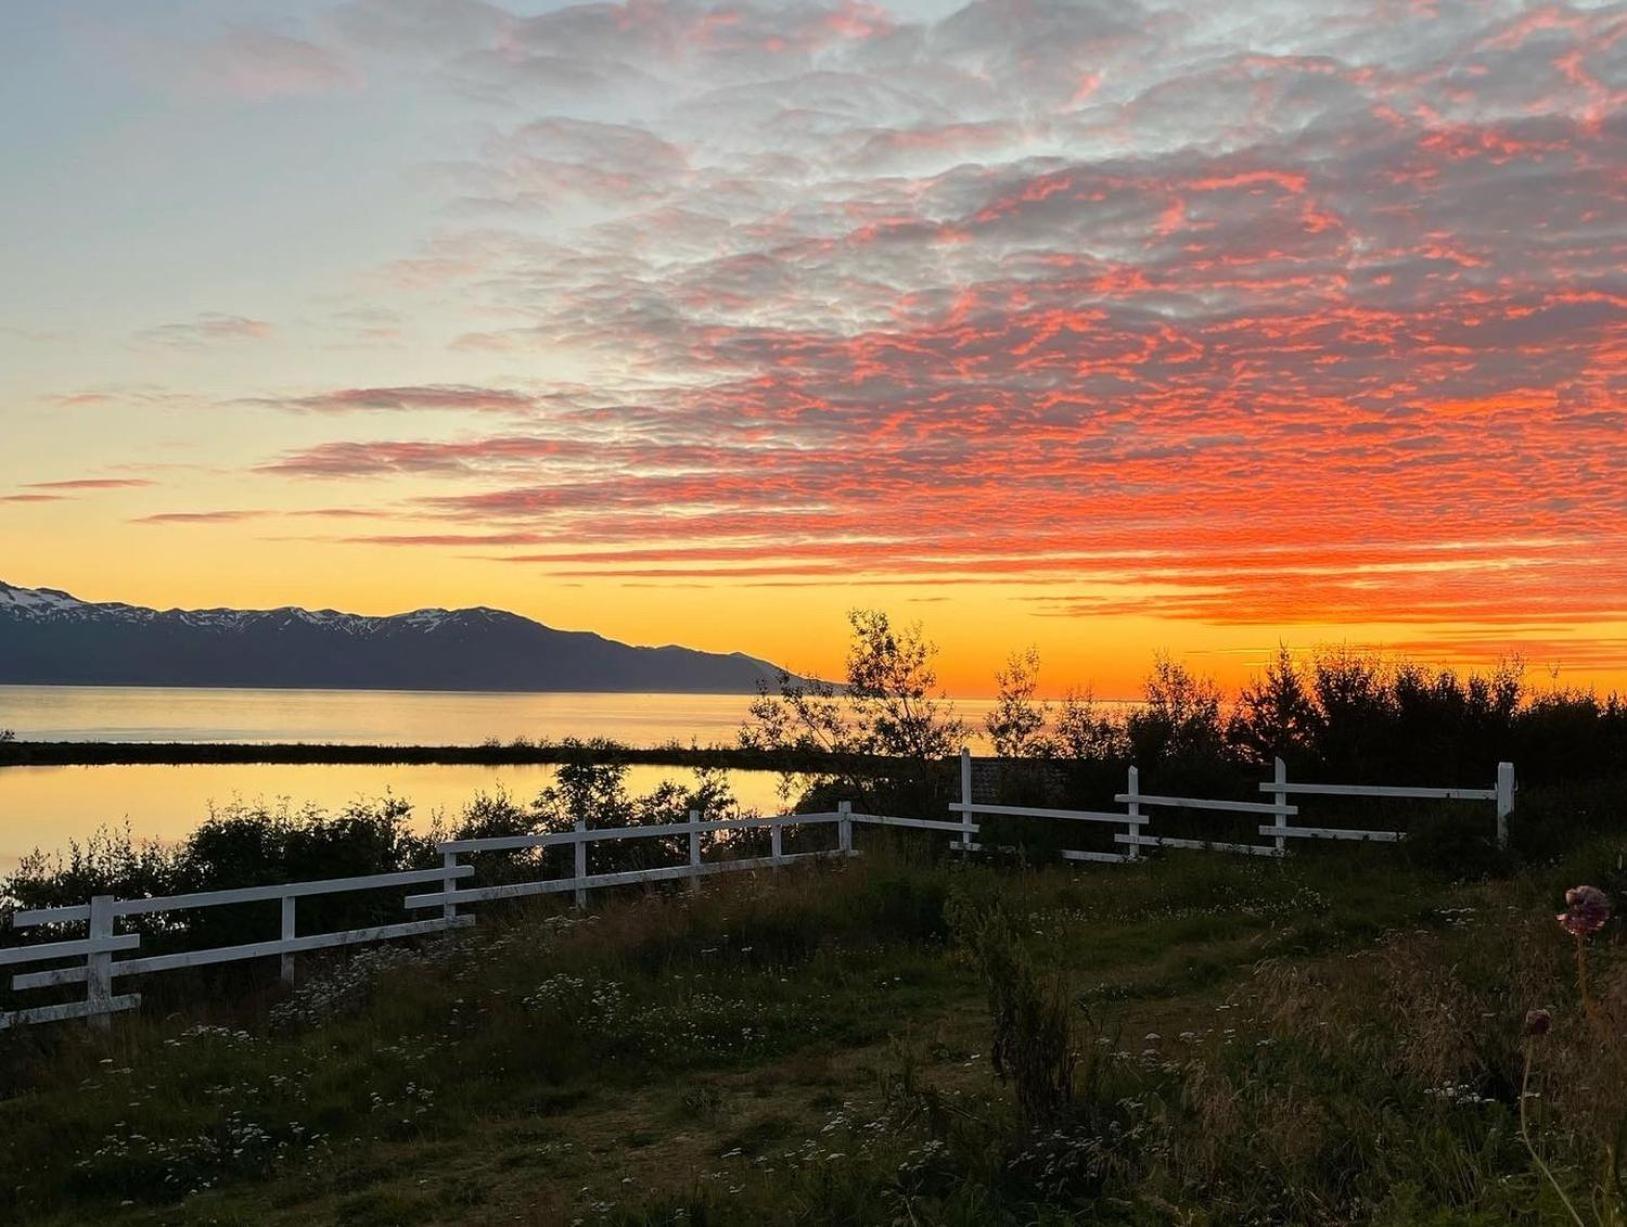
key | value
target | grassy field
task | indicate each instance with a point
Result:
(1334, 1039)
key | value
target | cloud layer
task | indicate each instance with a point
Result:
(1252, 314)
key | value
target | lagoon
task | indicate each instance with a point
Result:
(45, 807)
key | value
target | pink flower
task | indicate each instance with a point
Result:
(1537, 1022)
(1586, 910)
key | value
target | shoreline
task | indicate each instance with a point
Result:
(175, 753)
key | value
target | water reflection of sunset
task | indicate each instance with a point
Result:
(45, 807)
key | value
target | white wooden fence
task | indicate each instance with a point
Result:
(449, 898)
(98, 947)
(1136, 834)
(98, 968)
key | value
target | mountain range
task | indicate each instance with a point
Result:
(50, 637)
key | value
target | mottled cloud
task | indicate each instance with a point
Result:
(1249, 314)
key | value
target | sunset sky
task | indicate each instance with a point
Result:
(1109, 327)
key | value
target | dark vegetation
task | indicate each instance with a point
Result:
(1339, 717)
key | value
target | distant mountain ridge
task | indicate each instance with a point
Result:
(50, 637)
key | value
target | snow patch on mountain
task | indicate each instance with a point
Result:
(51, 603)
(38, 600)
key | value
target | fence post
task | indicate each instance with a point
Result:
(694, 849)
(449, 910)
(1136, 828)
(580, 847)
(99, 963)
(1280, 796)
(288, 936)
(966, 826)
(844, 828)
(776, 841)
(1505, 801)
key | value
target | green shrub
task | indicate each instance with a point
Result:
(1032, 1044)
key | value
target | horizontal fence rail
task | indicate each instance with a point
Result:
(1137, 834)
(91, 959)
(449, 898)
(98, 968)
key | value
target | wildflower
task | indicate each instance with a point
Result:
(1537, 1023)
(1586, 910)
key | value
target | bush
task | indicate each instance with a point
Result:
(1456, 842)
(1032, 1046)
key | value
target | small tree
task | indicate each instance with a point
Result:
(802, 715)
(585, 790)
(1084, 733)
(1017, 723)
(1354, 708)
(888, 707)
(1180, 721)
(1033, 1042)
(1275, 715)
(891, 683)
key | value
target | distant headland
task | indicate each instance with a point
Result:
(49, 637)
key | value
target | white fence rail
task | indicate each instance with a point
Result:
(96, 968)
(449, 898)
(99, 968)
(1501, 794)
(1136, 834)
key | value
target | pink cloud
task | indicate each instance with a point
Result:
(439, 397)
(92, 483)
(228, 516)
(207, 330)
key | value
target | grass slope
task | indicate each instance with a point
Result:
(1334, 1039)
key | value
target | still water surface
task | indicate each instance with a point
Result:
(402, 717)
(45, 807)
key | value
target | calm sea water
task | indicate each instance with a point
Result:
(45, 807)
(414, 717)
